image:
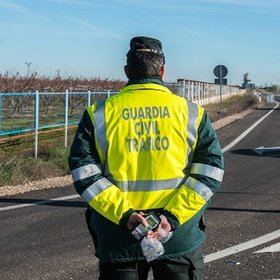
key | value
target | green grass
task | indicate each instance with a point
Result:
(231, 106)
(22, 168)
(25, 118)
(18, 165)
(28, 122)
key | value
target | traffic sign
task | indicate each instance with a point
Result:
(220, 71)
(221, 81)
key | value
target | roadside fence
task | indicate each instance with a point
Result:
(33, 113)
(204, 93)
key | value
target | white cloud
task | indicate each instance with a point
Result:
(16, 8)
(96, 30)
(13, 7)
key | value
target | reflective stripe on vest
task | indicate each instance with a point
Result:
(208, 171)
(193, 114)
(149, 185)
(192, 129)
(85, 171)
(100, 127)
(199, 188)
(95, 189)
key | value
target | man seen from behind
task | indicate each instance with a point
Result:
(146, 150)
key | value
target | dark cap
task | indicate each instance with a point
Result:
(145, 44)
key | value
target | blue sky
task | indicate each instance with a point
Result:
(91, 38)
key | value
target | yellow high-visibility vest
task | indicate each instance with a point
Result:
(145, 137)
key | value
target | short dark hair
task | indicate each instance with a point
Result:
(144, 65)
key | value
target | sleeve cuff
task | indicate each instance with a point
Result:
(171, 219)
(125, 217)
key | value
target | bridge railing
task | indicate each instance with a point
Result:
(204, 93)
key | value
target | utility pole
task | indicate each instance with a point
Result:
(58, 73)
(28, 64)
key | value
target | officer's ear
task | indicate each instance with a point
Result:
(162, 72)
(126, 71)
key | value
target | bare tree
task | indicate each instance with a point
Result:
(76, 102)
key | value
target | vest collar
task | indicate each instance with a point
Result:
(146, 84)
(145, 81)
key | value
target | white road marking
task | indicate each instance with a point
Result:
(270, 249)
(262, 150)
(243, 246)
(39, 202)
(247, 131)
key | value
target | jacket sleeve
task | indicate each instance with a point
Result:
(89, 182)
(203, 179)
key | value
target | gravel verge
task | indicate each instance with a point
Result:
(230, 119)
(58, 182)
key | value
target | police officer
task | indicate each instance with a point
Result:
(142, 150)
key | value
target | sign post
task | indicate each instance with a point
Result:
(220, 71)
(1, 100)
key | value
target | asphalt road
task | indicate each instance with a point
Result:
(50, 240)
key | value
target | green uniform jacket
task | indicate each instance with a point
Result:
(113, 241)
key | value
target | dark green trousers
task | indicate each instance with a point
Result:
(188, 267)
